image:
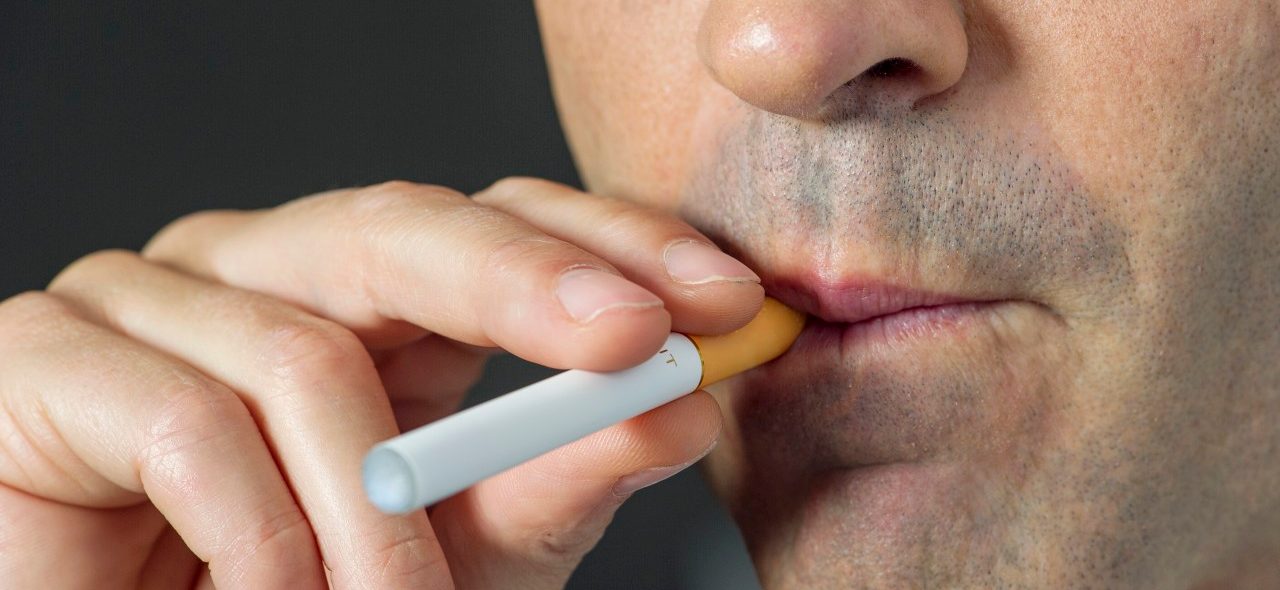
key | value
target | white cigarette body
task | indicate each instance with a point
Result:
(433, 462)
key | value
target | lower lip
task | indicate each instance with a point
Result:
(907, 325)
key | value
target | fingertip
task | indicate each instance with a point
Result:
(587, 292)
(617, 339)
(609, 338)
(694, 420)
(715, 308)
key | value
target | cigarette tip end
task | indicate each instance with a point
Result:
(388, 481)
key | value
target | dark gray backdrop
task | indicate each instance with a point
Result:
(116, 118)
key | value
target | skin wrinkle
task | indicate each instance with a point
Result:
(1114, 164)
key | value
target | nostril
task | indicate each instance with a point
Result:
(893, 68)
(889, 84)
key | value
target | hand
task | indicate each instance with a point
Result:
(209, 401)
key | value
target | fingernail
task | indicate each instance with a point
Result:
(644, 478)
(588, 292)
(695, 263)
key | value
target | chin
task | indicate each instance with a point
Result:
(898, 450)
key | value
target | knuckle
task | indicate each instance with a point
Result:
(381, 212)
(625, 220)
(396, 197)
(273, 539)
(252, 310)
(560, 549)
(29, 313)
(176, 232)
(30, 305)
(491, 223)
(93, 265)
(311, 350)
(540, 253)
(407, 556)
(515, 188)
(193, 412)
(406, 187)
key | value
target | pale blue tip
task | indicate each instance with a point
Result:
(388, 481)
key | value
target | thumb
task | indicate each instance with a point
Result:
(529, 527)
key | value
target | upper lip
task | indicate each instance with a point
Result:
(855, 300)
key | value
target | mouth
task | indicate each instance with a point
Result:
(886, 373)
(868, 315)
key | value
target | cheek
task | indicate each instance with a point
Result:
(1136, 97)
(629, 87)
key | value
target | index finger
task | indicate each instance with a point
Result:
(375, 258)
(705, 290)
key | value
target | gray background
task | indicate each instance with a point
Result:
(116, 118)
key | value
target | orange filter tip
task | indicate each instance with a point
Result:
(763, 339)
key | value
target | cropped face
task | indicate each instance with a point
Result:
(1040, 245)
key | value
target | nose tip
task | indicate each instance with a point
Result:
(793, 57)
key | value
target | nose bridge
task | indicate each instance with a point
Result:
(791, 56)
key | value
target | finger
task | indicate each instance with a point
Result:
(50, 544)
(97, 420)
(428, 379)
(531, 526)
(310, 385)
(398, 252)
(705, 290)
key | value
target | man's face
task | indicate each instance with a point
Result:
(1043, 241)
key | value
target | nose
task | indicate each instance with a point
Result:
(794, 57)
